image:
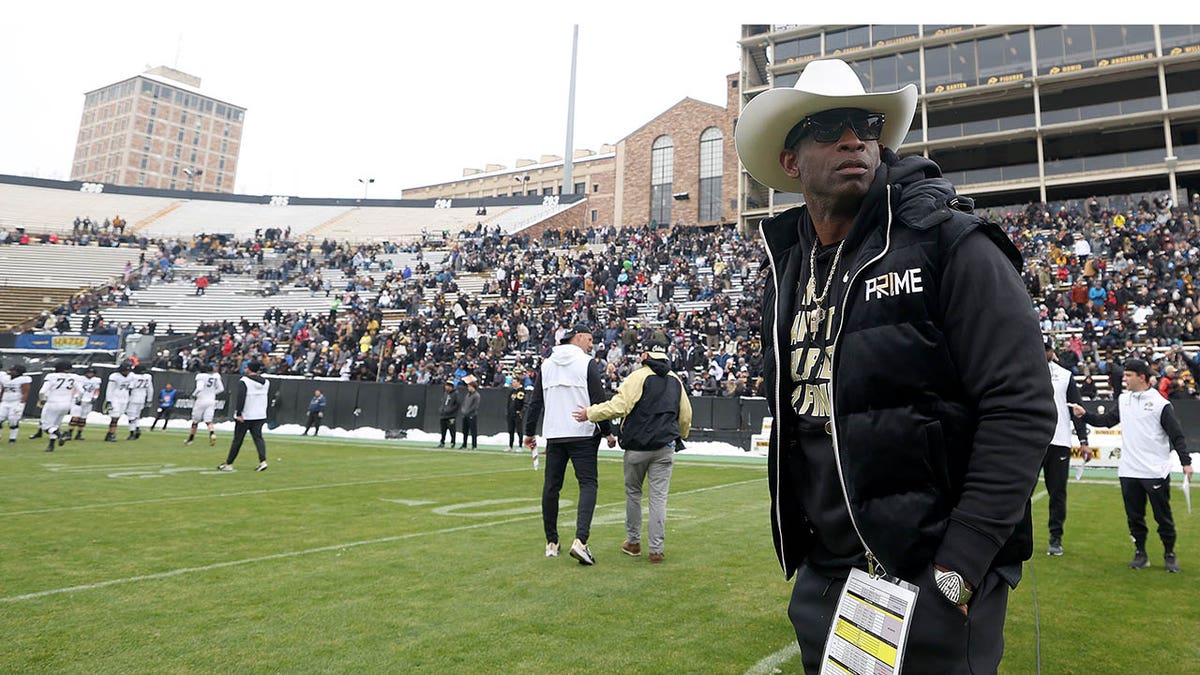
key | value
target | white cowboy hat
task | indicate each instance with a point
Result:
(823, 85)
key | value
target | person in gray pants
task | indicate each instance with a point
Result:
(657, 417)
(470, 415)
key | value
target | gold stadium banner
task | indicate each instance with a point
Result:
(1183, 49)
(1067, 68)
(1119, 60)
(1000, 79)
(952, 86)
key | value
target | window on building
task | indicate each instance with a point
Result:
(580, 188)
(711, 168)
(595, 187)
(595, 215)
(950, 65)
(662, 175)
(547, 191)
(847, 40)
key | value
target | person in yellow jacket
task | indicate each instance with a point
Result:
(657, 418)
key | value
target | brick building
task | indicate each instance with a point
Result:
(157, 130)
(680, 168)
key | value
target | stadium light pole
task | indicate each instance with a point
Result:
(524, 181)
(366, 184)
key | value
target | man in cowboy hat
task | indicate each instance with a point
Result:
(904, 371)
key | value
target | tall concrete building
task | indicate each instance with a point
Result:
(157, 130)
(1013, 114)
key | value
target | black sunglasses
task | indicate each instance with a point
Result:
(827, 126)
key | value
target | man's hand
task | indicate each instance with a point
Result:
(531, 442)
(580, 414)
(1187, 472)
(612, 442)
(1077, 410)
(240, 418)
(1085, 451)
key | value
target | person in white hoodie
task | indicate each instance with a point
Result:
(1149, 432)
(569, 378)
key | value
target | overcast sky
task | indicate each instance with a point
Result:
(408, 93)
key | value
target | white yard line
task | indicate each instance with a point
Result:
(218, 495)
(320, 549)
(771, 663)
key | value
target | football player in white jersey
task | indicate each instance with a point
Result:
(204, 402)
(116, 395)
(89, 389)
(58, 391)
(141, 388)
(12, 399)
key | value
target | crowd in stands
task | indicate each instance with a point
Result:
(1110, 277)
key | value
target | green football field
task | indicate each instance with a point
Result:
(387, 556)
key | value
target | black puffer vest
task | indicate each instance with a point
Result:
(902, 427)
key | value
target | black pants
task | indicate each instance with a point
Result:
(514, 430)
(239, 435)
(1136, 491)
(447, 425)
(470, 428)
(1056, 468)
(314, 423)
(582, 454)
(163, 414)
(940, 639)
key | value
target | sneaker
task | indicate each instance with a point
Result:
(1140, 561)
(634, 549)
(78, 436)
(130, 437)
(110, 438)
(1055, 547)
(188, 442)
(37, 434)
(582, 553)
(62, 440)
(656, 558)
(552, 549)
(262, 466)
(50, 448)
(1172, 563)
(225, 467)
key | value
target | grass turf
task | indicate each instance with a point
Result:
(394, 557)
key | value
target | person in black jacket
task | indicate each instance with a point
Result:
(516, 405)
(316, 411)
(447, 413)
(657, 419)
(904, 370)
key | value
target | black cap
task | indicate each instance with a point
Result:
(254, 367)
(654, 345)
(1138, 366)
(573, 331)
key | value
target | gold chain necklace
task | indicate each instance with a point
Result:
(819, 303)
